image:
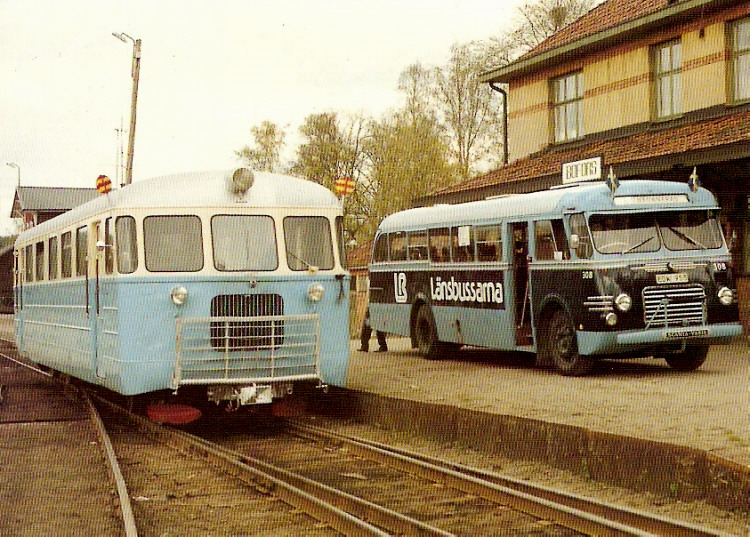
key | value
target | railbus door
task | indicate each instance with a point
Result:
(96, 269)
(520, 241)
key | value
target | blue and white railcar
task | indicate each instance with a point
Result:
(233, 281)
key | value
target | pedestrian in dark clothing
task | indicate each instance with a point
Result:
(367, 334)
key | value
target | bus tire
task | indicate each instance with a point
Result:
(425, 333)
(688, 360)
(563, 347)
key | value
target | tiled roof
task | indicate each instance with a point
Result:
(360, 256)
(37, 198)
(698, 135)
(604, 16)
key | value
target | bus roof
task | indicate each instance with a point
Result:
(634, 195)
(199, 190)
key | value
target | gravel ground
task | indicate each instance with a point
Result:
(707, 409)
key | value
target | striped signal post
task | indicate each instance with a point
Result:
(344, 185)
(103, 184)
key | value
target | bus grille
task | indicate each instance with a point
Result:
(247, 334)
(680, 305)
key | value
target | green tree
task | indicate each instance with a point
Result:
(265, 154)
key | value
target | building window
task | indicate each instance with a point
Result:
(668, 79)
(741, 60)
(568, 107)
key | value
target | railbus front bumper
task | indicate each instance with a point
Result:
(247, 360)
(610, 342)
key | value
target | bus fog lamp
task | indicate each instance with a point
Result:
(315, 292)
(623, 302)
(611, 319)
(179, 295)
(726, 296)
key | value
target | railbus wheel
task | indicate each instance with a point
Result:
(688, 360)
(426, 333)
(563, 347)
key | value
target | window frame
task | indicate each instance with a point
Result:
(215, 221)
(567, 107)
(739, 95)
(672, 74)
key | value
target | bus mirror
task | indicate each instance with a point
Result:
(575, 241)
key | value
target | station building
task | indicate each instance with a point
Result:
(651, 89)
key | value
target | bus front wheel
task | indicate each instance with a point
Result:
(563, 347)
(688, 360)
(426, 333)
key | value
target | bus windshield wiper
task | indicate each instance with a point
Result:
(687, 238)
(644, 241)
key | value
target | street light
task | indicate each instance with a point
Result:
(18, 170)
(134, 73)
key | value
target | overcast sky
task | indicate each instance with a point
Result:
(210, 70)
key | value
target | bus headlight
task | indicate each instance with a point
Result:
(179, 295)
(315, 292)
(623, 302)
(726, 296)
(611, 319)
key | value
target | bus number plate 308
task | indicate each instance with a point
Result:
(678, 277)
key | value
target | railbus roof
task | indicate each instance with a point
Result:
(211, 189)
(635, 195)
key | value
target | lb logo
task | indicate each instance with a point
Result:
(399, 287)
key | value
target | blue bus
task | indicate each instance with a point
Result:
(229, 283)
(572, 274)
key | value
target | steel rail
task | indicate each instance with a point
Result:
(343, 512)
(126, 508)
(576, 512)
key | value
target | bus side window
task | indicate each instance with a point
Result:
(462, 243)
(418, 245)
(380, 250)
(489, 243)
(398, 246)
(440, 244)
(551, 243)
(578, 227)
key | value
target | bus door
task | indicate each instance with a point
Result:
(519, 234)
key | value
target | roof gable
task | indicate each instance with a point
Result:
(37, 198)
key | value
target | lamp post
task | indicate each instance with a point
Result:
(18, 170)
(135, 71)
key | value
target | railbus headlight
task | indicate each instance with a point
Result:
(623, 302)
(315, 292)
(179, 295)
(726, 296)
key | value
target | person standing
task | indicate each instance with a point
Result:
(367, 334)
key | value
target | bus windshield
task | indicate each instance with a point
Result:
(637, 233)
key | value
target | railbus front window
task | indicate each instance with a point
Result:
(308, 242)
(127, 245)
(244, 242)
(173, 243)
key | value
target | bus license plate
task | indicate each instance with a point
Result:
(678, 277)
(685, 333)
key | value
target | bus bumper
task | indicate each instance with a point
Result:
(599, 343)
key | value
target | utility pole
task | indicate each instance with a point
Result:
(134, 73)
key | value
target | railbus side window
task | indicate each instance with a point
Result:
(489, 243)
(308, 242)
(340, 240)
(29, 263)
(82, 242)
(66, 246)
(578, 227)
(173, 243)
(397, 242)
(109, 247)
(244, 242)
(440, 244)
(53, 258)
(418, 246)
(380, 250)
(462, 242)
(127, 244)
(40, 261)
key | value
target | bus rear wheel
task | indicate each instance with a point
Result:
(688, 360)
(563, 347)
(425, 333)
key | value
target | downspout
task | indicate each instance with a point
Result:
(505, 119)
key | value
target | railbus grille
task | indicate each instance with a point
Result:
(236, 334)
(678, 305)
